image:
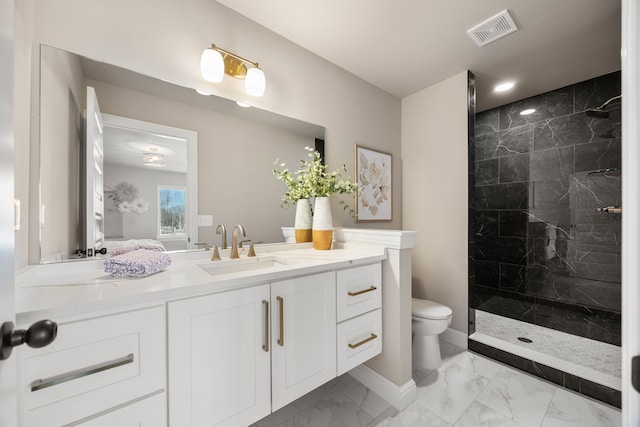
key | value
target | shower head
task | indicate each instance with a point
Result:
(601, 111)
(598, 112)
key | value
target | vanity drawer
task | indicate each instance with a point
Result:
(93, 365)
(149, 412)
(359, 339)
(359, 290)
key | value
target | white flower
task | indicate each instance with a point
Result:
(125, 207)
(125, 192)
(140, 206)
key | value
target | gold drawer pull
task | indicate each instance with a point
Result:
(39, 384)
(364, 291)
(281, 303)
(364, 341)
(265, 346)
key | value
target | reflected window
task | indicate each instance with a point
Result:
(172, 211)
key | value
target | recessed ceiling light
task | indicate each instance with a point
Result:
(527, 111)
(202, 92)
(242, 104)
(503, 87)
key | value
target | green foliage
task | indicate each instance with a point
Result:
(313, 180)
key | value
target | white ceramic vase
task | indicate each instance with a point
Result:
(303, 221)
(322, 224)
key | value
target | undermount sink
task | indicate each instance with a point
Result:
(242, 265)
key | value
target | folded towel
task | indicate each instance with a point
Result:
(137, 263)
(133, 245)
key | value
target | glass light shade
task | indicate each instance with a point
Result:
(254, 82)
(212, 65)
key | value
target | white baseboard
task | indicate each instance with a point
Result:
(457, 338)
(400, 397)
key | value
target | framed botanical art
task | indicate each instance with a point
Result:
(373, 174)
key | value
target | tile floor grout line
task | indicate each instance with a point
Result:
(546, 412)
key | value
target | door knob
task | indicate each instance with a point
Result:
(40, 334)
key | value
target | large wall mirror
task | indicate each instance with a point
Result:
(217, 161)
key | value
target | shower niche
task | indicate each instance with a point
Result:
(545, 227)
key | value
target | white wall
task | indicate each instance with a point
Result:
(22, 117)
(434, 160)
(165, 40)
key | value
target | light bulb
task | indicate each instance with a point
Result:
(254, 82)
(212, 65)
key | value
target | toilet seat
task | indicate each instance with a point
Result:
(429, 310)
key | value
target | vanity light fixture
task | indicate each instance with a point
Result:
(215, 62)
(527, 112)
(154, 159)
(504, 87)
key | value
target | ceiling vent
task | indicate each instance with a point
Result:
(492, 29)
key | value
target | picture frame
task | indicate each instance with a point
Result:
(373, 170)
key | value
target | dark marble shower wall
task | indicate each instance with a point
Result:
(543, 253)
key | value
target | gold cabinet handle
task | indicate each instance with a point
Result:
(364, 291)
(364, 341)
(281, 304)
(265, 346)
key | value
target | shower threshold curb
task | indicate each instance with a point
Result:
(576, 383)
(550, 361)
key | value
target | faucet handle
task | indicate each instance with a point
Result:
(252, 251)
(242, 242)
(216, 254)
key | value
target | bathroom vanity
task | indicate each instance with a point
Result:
(220, 343)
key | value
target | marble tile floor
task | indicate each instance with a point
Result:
(468, 390)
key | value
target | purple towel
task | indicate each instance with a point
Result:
(137, 263)
(134, 247)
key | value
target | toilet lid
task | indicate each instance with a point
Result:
(429, 309)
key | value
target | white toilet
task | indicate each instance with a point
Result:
(429, 319)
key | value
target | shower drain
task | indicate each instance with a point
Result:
(524, 339)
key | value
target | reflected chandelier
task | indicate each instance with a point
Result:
(154, 159)
(215, 62)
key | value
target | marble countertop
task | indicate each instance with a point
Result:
(81, 287)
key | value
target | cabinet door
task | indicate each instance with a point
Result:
(218, 359)
(303, 322)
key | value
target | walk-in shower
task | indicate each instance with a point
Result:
(545, 236)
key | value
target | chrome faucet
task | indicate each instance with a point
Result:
(234, 243)
(222, 230)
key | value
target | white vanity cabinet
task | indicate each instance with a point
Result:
(219, 358)
(104, 367)
(303, 320)
(225, 351)
(236, 356)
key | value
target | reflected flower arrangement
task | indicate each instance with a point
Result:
(127, 200)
